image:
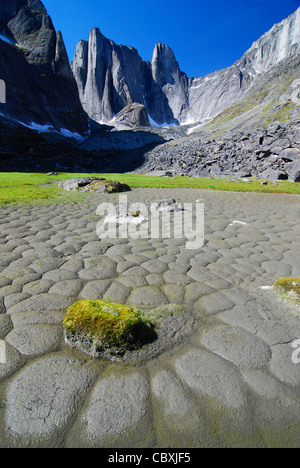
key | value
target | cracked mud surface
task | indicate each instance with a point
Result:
(219, 375)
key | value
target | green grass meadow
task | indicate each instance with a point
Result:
(41, 189)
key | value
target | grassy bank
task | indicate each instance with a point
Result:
(28, 188)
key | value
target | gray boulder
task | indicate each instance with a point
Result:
(105, 186)
(273, 174)
(293, 170)
(131, 116)
(76, 183)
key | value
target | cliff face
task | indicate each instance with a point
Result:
(167, 99)
(35, 67)
(210, 95)
(109, 77)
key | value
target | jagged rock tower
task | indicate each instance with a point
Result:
(35, 66)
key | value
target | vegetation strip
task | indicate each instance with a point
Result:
(29, 188)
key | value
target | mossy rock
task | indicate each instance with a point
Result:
(103, 329)
(289, 284)
(106, 186)
(290, 288)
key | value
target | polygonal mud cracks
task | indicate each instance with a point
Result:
(168, 388)
(212, 376)
(148, 295)
(97, 268)
(189, 387)
(282, 365)
(117, 403)
(35, 340)
(237, 346)
(43, 396)
(213, 303)
(42, 302)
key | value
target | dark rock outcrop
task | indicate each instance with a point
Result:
(23, 149)
(35, 67)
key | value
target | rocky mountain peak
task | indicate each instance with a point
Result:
(168, 90)
(9, 8)
(108, 76)
(164, 64)
(104, 78)
(278, 44)
(167, 93)
(36, 5)
(163, 52)
(35, 67)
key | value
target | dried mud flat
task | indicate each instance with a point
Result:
(221, 373)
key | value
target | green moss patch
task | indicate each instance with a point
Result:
(103, 328)
(108, 186)
(289, 288)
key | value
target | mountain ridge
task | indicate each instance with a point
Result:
(169, 96)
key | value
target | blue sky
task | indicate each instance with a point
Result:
(204, 35)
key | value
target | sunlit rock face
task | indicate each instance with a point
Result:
(210, 95)
(168, 95)
(110, 76)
